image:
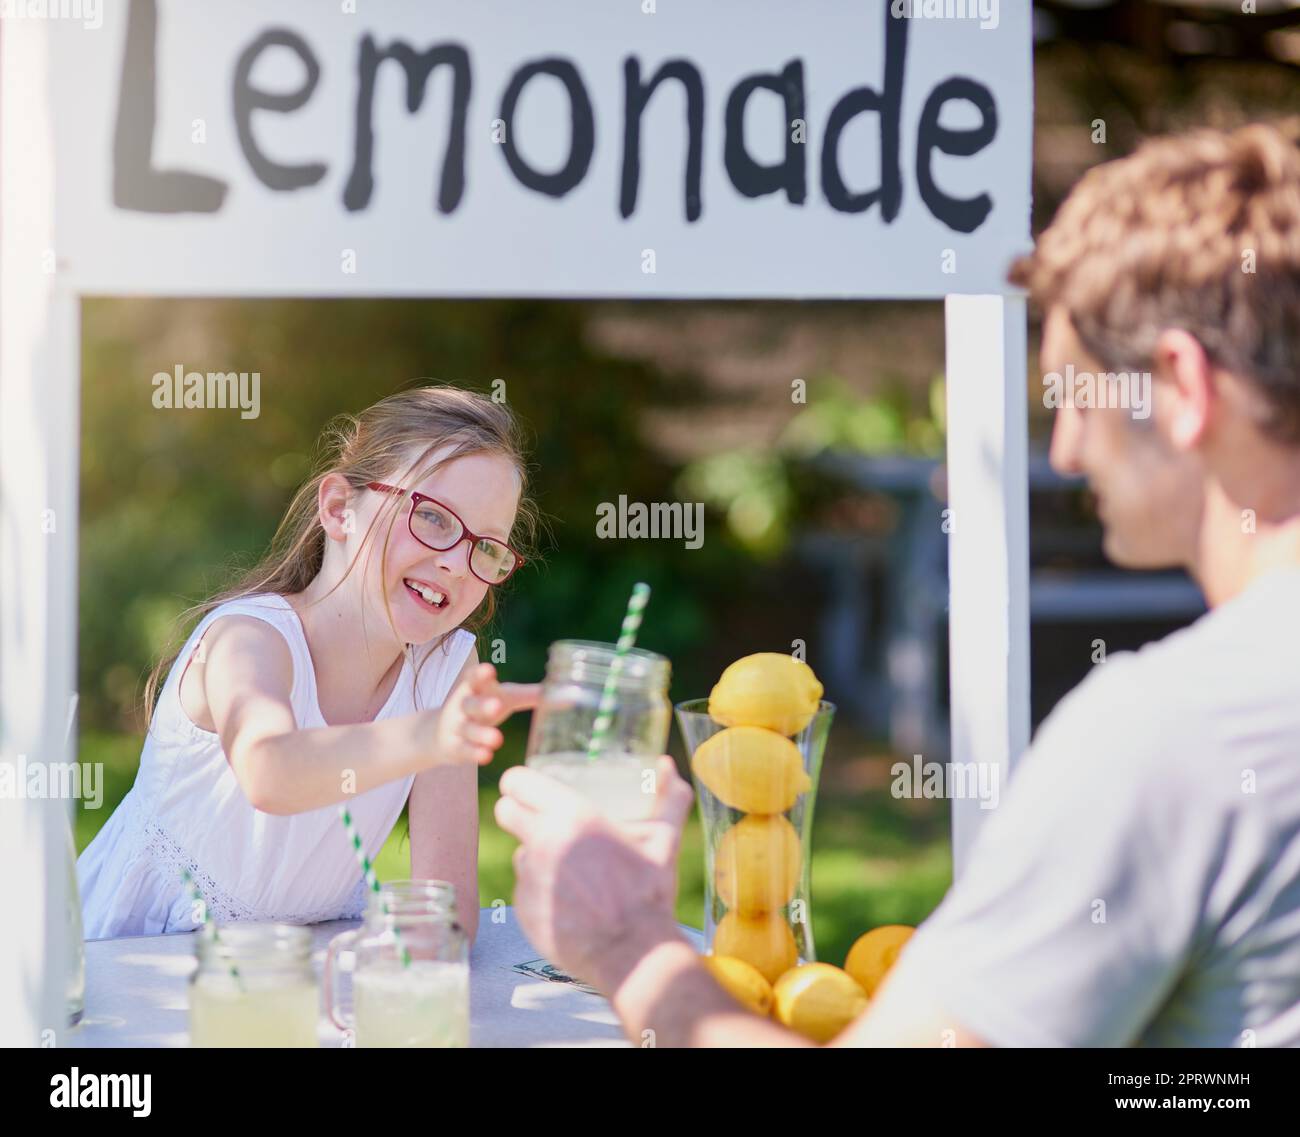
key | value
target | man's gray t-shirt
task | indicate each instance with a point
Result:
(1140, 882)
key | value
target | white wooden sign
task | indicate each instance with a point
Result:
(583, 148)
(566, 147)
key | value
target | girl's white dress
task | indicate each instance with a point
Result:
(187, 811)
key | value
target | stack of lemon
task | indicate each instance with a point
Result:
(816, 999)
(753, 766)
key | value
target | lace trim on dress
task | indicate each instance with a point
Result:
(224, 908)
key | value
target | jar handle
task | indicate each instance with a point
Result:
(342, 942)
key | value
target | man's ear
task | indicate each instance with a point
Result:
(335, 507)
(1187, 376)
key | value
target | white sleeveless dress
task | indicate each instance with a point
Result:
(186, 810)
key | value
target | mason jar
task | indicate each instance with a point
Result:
(410, 970)
(253, 986)
(590, 689)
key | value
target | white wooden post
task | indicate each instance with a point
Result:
(988, 546)
(39, 382)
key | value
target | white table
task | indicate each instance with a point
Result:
(136, 992)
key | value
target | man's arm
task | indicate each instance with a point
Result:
(664, 994)
(896, 1019)
(1069, 926)
(598, 899)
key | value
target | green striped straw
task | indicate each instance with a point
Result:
(368, 871)
(626, 638)
(208, 924)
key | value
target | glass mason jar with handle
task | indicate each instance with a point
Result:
(254, 986)
(620, 777)
(410, 976)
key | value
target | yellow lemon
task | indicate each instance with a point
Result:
(742, 981)
(756, 867)
(764, 942)
(818, 1000)
(874, 953)
(751, 769)
(770, 690)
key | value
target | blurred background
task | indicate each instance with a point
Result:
(813, 433)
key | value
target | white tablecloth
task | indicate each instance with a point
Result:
(136, 992)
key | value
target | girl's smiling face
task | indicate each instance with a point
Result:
(483, 491)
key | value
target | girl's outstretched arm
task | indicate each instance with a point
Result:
(247, 677)
(443, 816)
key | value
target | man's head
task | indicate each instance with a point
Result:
(1180, 266)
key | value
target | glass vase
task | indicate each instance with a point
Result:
(757, 857)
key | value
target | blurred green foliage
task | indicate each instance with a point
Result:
(173, 501)
(762, 491)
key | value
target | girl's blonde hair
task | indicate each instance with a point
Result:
(371, 447)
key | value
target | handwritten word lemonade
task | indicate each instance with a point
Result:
(254, 987)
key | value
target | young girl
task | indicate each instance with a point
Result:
(339, 669)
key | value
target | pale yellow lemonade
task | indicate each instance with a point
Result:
(620, 785)
(254, 1011)
(423, 1005)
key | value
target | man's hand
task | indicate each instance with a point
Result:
(465, 729)
(597, 897)
(593, 895)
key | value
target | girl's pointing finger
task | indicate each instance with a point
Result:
(484, 710)
(482, 678)
(519, 696)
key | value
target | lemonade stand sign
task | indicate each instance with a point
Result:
(613, 148)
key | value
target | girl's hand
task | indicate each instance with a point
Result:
(466, 729)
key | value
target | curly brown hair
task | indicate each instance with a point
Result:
(1200, 232)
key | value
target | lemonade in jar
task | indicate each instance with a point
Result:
(424, 1004)
(617, 772)
(621, 786)
(254, 987)
(410, 976)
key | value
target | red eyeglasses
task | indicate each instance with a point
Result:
(437, 527)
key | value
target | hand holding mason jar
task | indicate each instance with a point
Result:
(611, 762)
